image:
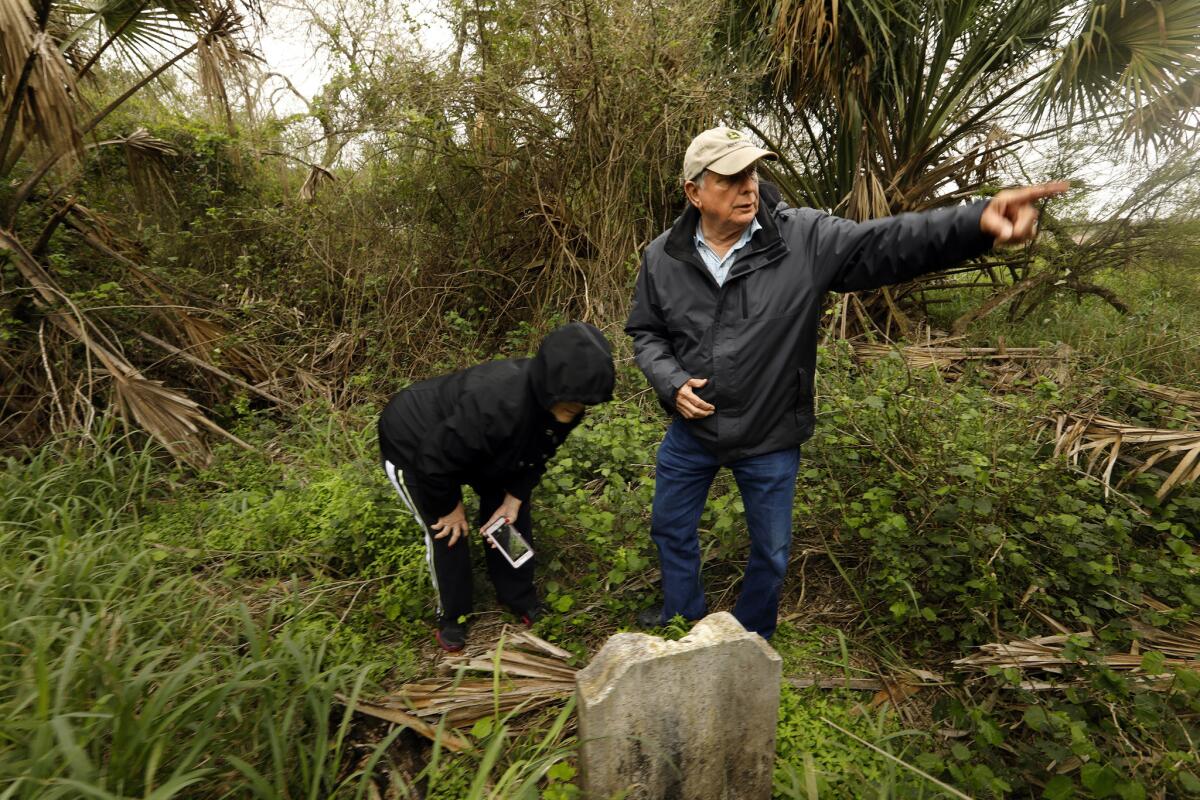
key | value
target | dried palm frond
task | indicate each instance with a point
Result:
(1005, 364)
(147, 157)
(812, 29)
(220, 58)
(173, 419)
(942, 355)
(317, 176)
(525, 673)
(1106, 441)
(867, 198)
(1184, 642)
(1045, 654)
(206, 336)
(165, 414)
(455, 744)
(1169, 394)
(142, 141)
(37, 86)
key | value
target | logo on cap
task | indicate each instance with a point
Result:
(732, 134)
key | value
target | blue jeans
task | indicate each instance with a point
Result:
(685, 471)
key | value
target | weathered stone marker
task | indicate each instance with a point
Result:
(686, 720)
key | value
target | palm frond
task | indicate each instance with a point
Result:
(146, 156)
(136, 28)
(1169, 394)
(37, 85)
(1104, 442)
(173, 419)
(1007, 366)
(221, 58)
(1047, 656)
(1169, 118)
(1140, 58)
(170, 417)
(207, 336)
(524, 673)
(317, 176)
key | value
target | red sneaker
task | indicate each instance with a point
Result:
(452, 637)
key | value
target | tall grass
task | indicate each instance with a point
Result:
(122, 674)
(1155, 341)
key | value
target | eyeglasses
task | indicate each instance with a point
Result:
(750, 172)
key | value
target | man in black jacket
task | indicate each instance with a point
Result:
(492, 427)
(724, 324)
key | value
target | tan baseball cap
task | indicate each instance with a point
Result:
(725, 151)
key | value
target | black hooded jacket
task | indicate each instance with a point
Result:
(491, 424)
(755, 337)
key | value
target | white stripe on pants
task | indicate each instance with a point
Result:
(396, 476)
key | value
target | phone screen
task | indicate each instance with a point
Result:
(511, 542)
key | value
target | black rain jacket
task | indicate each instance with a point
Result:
(491, 424)
(755, 337)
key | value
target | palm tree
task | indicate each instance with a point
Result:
(47, 48)
(884, 106)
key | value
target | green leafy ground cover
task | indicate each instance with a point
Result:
(185, 633)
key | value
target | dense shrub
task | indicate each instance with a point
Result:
(946, 500)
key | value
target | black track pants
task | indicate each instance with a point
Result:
(450, 567)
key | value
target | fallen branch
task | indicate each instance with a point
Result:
(215, 370)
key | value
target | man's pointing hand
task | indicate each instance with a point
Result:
(1011, 216)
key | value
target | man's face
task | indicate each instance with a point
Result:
(726, 201)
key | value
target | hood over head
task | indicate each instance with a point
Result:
(573, 364)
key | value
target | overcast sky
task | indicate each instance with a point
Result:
(287, 47)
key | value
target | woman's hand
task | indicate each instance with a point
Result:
(453, 525)
(507, 509)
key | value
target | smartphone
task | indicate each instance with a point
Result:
(509, 542)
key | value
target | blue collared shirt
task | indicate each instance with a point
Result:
(719, 267)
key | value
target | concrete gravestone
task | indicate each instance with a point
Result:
(686, 720)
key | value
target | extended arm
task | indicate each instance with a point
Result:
(867, 255)
(853, 256)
